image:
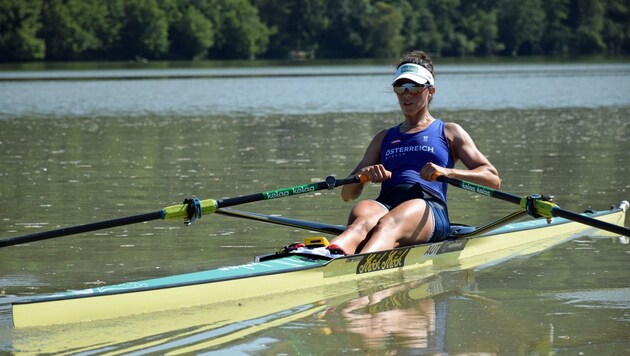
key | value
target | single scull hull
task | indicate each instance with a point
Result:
(292, 273)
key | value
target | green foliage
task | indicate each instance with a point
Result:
(616, 29)
(236, 29)
(19, 24)
(590, 23)
(240, 32)
(71, 27)
(430, 36)
(523, 24)
(144, 30)
(344, 37)
(295, 25)
(384, 27)
(191, 32)
(486, 33)
(557, 35)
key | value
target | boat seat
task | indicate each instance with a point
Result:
(459, 230)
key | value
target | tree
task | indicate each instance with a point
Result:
(236, 29)
(557, 38)
(588, 19)
(488, 33)
(523, 24)
(191, 34)
(143, 30)
(71, 28)
(345, 37)
(616, 31)
(240, 33)
(297, 24)
(430, 37)
(19, 24)
(383, 33)
(446, 14)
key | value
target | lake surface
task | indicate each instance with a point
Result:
(303, 90)
(85, 146)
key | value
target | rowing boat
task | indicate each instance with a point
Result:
(285, 273)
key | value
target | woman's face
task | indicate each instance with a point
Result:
(413, 98)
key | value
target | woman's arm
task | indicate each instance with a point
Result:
(370, 166)
(463, 148)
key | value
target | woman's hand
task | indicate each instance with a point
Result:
(377, 173)
(431, 171)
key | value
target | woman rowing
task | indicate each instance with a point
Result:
(406, 159)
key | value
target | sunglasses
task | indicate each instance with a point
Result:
(413, 88)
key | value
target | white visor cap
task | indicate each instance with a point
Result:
(415, 73)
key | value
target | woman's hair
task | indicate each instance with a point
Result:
(418, 57)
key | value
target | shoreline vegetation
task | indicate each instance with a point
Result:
(359, 64)
(145, 31)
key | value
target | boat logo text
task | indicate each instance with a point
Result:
(379, 261)
(289, 191)
(476, 188)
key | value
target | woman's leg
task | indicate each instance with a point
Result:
(409, 223)
(362, 219)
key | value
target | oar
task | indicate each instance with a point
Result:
(457, 230)
(536, 205)
(190, 210)
(280, 220)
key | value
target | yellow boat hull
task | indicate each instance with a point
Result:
(290, 274)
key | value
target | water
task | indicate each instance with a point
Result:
(98, 146)
(303, 90)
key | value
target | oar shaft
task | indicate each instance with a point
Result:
(330, 183)
(480, 189)
(540, 207)
(280, 220)
(569, 215)
(72, 230)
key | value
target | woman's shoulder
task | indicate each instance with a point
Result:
(380, 136)
(455, 133)
(383, 132)
(453, 127)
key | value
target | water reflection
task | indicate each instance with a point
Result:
(387, 312)
(408, 316)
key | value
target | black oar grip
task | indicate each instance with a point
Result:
(357, 178)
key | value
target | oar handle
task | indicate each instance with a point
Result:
(357, 178)
(535, 205)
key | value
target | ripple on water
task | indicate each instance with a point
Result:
(614, 298)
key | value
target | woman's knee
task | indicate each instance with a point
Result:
(407, 228)
(366, 211)
(362, 224)
(386, 223)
